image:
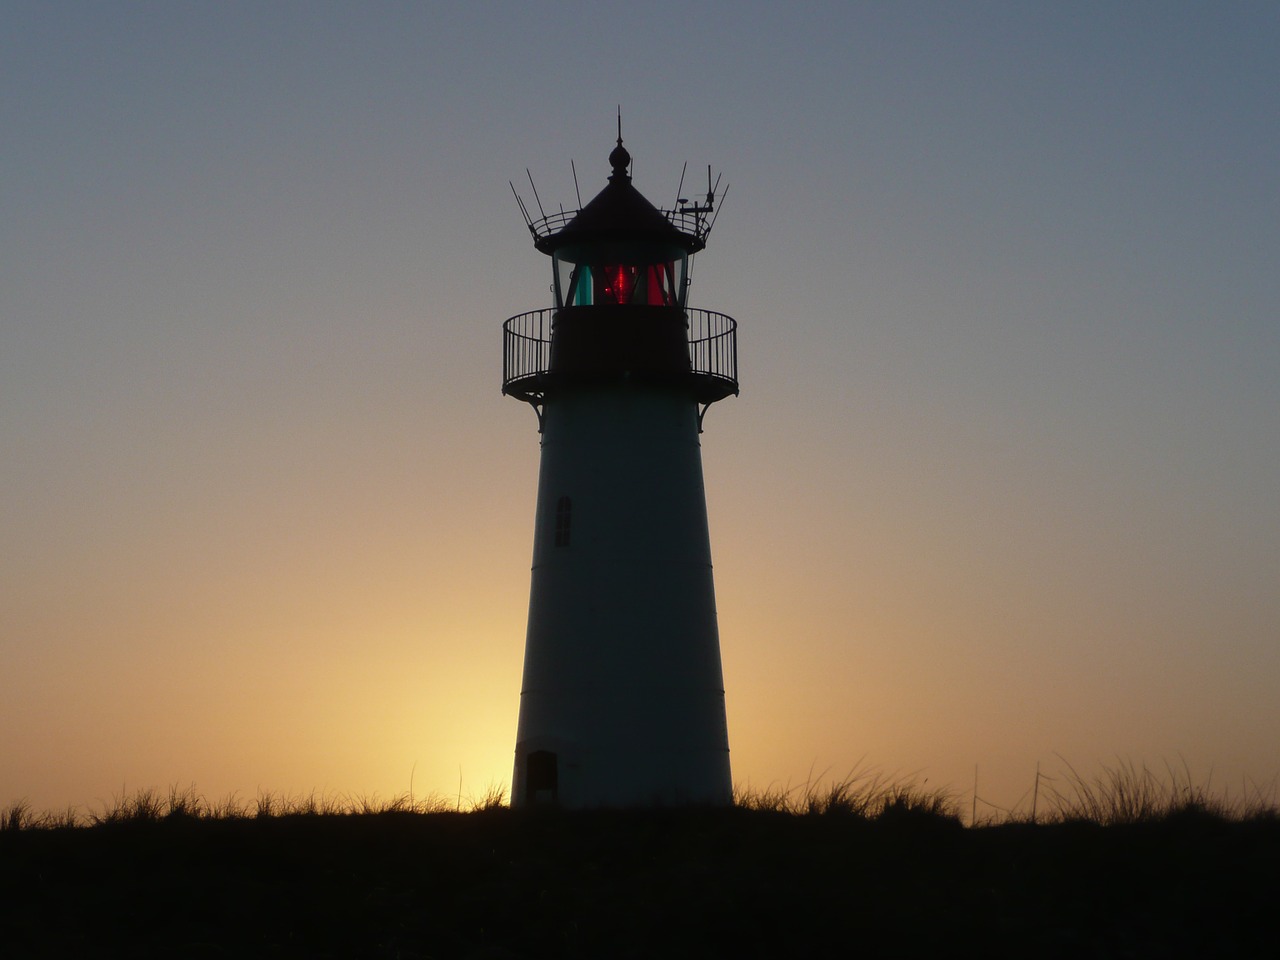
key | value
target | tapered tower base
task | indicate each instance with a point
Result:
(623, 695)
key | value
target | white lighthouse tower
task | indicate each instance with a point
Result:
(622, 702)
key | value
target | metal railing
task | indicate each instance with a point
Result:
(713, 345)
(550, 225)
(526, 348)
(692, 221)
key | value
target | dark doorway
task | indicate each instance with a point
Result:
(541, 777)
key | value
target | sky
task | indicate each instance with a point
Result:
(1001, 489)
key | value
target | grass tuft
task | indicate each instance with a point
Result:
(19, 815)
(1132, 793)
(16, 816)
(867, 794)
(493, 798)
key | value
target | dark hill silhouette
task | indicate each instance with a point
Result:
(672, 883)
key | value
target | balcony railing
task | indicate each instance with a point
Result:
(526, 350)
(713, 353)
(713, 345)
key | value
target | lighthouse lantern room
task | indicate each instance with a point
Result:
(622, 701)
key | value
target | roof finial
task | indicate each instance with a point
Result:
(619, 159)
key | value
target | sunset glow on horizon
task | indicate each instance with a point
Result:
(1002, 487)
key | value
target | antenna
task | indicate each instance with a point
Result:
(539, 199)
(699, 211)
(719, 208)
(631, 166)
(575, 182)
(528, 220)
(680, 186)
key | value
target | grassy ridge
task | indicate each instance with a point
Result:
(880, 869)
(1122, 793)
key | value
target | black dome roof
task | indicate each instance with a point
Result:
(619, 212)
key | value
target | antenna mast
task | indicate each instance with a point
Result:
(539, 199)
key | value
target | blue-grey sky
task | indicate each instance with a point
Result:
(1001, 487)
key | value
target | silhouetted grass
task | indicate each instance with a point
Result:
(863, 862)
(19, 815)
(1124, 864)
(149, 805)
(1131, 793)
(864, 793)
(1124, 793)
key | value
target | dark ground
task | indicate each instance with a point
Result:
(733, 883)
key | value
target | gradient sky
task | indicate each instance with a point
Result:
(1002, 486)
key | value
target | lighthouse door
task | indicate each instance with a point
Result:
(541, 777)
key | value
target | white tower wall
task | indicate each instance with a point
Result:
(622, 702)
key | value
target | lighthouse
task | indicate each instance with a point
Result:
(622, 699)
